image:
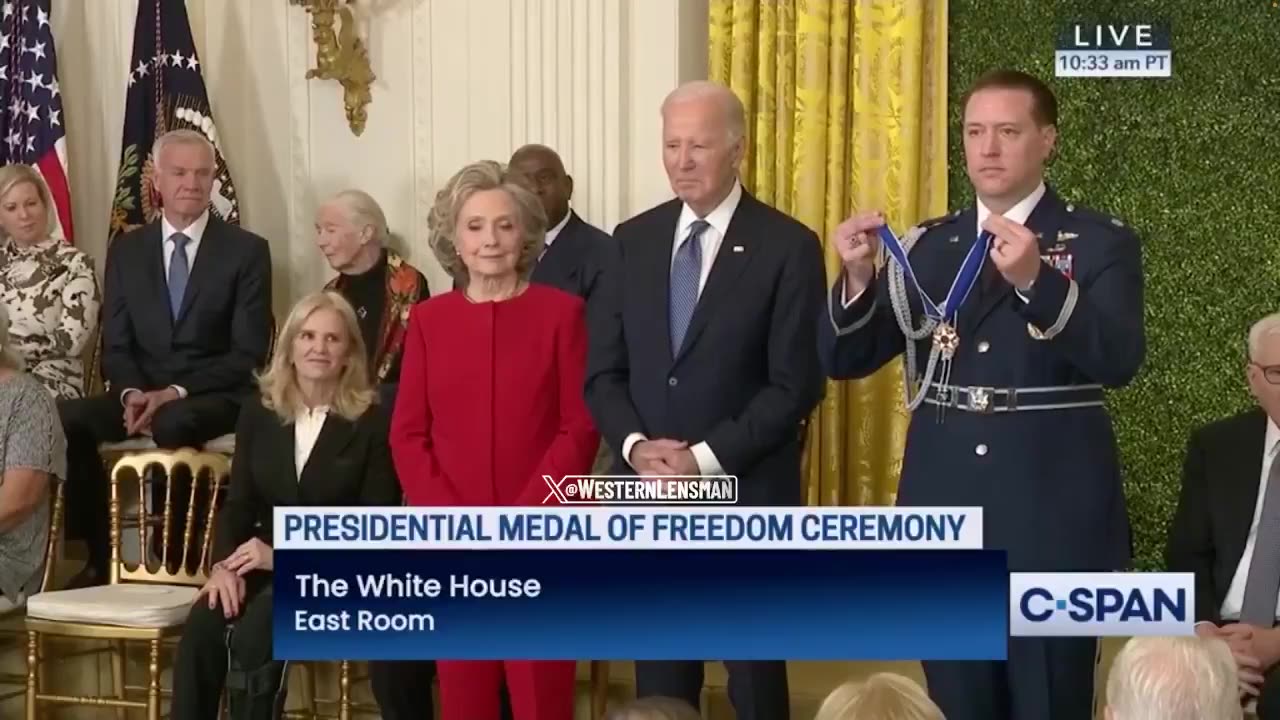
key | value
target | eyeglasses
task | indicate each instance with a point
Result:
(1270, 372)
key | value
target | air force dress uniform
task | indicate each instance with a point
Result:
(1015, 422)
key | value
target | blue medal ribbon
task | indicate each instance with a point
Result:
(961, 286)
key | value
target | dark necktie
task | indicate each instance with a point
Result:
(178, 273)
(1262, 587)
(686, 271)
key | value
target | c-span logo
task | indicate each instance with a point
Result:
(1101, 604)
(640, 490)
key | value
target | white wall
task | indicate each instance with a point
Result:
(458, 80)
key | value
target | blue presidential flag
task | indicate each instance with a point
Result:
(32, 128)
(166, 91)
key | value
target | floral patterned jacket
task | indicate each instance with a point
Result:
(405, 287)
(53, 299)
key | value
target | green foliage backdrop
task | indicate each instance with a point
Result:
(1192, 162)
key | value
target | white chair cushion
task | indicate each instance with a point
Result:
(137, 444)
(225, 444)
(139, 605)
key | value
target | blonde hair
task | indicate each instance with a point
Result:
(479, 177)
(11, 176)
(883, 696)
(279, 384)
(8, 358)
(1174, 678)
(363, 212)
(656, 708)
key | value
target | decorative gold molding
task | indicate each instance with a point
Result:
(341, 55)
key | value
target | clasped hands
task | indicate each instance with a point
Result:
(1014, 250)
(1255, 650)
(225, 585)
(663, 457)
(140, 407)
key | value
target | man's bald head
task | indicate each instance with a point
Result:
(546, 176)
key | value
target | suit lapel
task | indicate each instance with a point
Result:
(1240, 466)
(334, 436)
(207, 258)
(153, 266)
(1044, 221)
(736, 251)
(287, 471)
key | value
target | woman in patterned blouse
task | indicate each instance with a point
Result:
(48, 286)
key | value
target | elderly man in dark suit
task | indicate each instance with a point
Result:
(1012, 419)
(1226, 529)
(186, 322)
(703, 364)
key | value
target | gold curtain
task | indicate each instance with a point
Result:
(846, 108)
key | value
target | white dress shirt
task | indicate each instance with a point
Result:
(1231, 604)
(194, 233)
(554, 232)
(1018, 213)
(306, 429)
(710, 240)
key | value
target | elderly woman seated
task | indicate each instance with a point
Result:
(48, 286)
(318, 418)
(33, 456)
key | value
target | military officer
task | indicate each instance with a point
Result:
(1009, 386)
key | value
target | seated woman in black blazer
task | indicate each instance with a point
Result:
(315, 438)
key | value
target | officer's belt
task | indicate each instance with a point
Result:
(980, 399)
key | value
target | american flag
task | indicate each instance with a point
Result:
(31, 122)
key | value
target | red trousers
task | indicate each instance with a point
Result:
(541, 690)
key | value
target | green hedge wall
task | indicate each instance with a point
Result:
(1193, 163)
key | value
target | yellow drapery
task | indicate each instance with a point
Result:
(846, 108)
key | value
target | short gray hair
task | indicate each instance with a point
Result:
(1174, 678)
(735, 115)
(655, 708)
(182, 136)
(479, 177)
(363, 211)
(8, 358)
(1264, 328)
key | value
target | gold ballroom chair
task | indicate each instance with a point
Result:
(147, 601)
(11, 616)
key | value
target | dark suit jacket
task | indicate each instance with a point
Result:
(223, 332)
(577, 259)
(350, 464)
(1220, 479)
(747, 376)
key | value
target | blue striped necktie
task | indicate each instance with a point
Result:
(179, 271)
(686, 272)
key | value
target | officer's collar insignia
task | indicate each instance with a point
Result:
(1064, 236)
(953, 239)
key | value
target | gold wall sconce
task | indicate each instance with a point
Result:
(341, 55)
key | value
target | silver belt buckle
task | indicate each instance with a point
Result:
(979, 399)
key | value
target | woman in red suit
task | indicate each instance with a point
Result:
(491, 399)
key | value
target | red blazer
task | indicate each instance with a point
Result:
(491, 399)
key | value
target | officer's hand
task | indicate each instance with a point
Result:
(858, 243)
(1014, 251)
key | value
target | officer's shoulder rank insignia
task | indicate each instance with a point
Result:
(1095, 216)
(924, 226)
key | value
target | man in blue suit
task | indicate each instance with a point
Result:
(1011, 416)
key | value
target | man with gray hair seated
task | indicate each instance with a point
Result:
(1173, 678)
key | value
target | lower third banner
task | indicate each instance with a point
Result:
(642, 605)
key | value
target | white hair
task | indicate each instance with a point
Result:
(8, 358)
(735, 115)
(183, 136)
(1174, 678)
(363, 211)
(1264, 328)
